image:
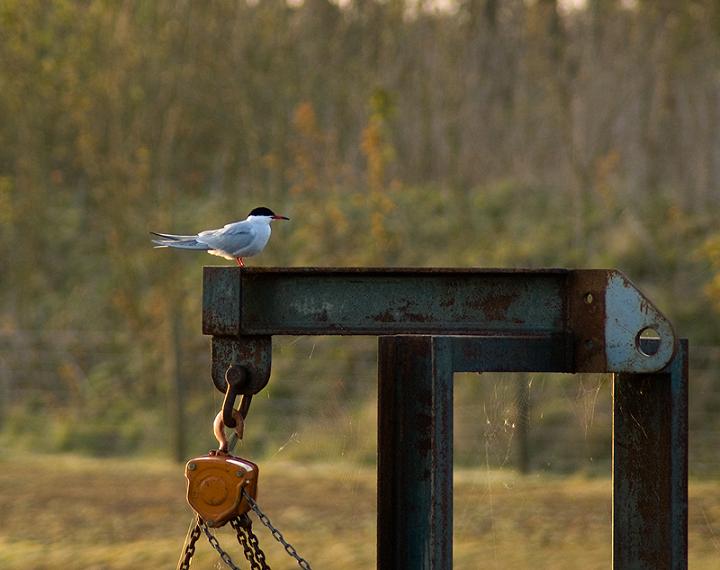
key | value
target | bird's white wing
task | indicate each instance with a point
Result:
(230, 238)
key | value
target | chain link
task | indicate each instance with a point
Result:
(255, 543)
(216, 545)
(249, 553)
(190, 540)
(249, 542)
(277, 535)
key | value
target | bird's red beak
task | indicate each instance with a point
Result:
(280, 218)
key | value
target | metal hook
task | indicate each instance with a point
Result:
(236, 378)
(219, 429)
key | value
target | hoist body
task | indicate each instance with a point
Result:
(216, 482)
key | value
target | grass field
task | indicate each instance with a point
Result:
(59, 511)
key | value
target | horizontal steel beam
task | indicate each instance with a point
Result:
(350, 301)
(598, 313)
(508, 354)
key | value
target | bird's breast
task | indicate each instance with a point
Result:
(258, 243)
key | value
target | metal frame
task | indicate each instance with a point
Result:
(415, 465)
(456, 320)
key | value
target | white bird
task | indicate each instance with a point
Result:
(236, 240)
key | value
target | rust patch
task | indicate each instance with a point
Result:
(254, 353)
(449, 302)
(408, 315)
(385, 317)
(402, 314)
(221, 302)
(496, 307)
(585, 309)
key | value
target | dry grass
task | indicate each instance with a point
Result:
(78, 513)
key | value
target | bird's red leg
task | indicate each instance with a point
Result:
(240, 261)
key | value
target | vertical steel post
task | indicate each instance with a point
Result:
(650, 427)
(415, 398)
(679, 447)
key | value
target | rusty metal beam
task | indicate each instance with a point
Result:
(599, 314)
(415, 464)
(650, 446)
(350, 301)
(650, 469)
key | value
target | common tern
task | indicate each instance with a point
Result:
(236, 240)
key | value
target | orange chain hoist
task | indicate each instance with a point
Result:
(222, 488)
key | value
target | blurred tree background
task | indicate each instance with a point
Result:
(394, 133)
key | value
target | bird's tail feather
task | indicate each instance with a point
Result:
(173, 237)
(191, 243)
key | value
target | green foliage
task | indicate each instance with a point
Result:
(711, 251)
(524, 136)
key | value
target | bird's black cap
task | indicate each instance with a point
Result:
(261, 211)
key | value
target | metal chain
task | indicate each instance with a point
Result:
(190, 540)
(243, 540)
(255, 543)
(277, 535)
(249, 542)
(216, 545)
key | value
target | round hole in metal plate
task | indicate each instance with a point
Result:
(647, 341)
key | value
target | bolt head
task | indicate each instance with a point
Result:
(240, 473)
(192, 466)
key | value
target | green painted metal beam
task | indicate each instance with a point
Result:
(650, 468)
(415, 463)
(347, 301)
(599, 312)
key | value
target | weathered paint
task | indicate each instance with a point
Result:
(342, 301)
(221, 301)
(599, 311)
(628, 313)
(679, 426)
(650, 445)
(586, 318)
(253, 353)
(414, 499)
